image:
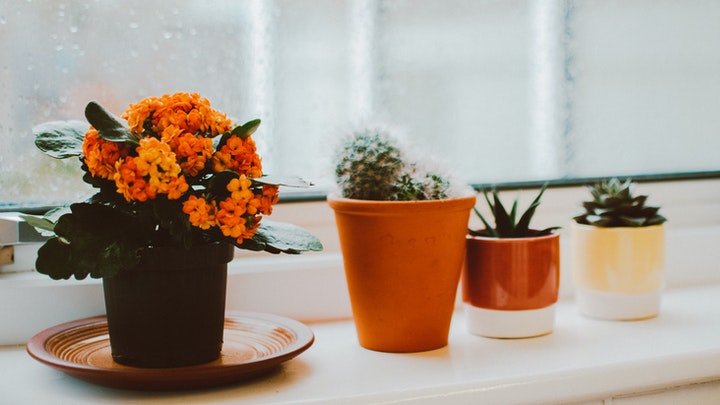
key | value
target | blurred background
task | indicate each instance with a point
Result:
(504, 91)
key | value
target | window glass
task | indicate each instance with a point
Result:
(503, 90)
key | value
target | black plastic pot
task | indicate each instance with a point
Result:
(169, 311)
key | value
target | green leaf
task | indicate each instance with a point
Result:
(40, 223)
(277, 237)
(523, 225)
(46, 224)
(110, 127)
(488, 231)
(503, 224)
(247, 129)
(93, 240)
(289, 181)
(61, 139)
(53, 259)
(217, 185)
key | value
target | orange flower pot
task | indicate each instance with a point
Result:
(618, 272)
(402, 264)
(510, 285)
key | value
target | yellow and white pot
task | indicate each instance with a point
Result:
(618, 272)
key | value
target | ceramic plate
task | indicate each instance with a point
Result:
(254, 344)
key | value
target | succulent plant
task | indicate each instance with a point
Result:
(372, 166)
(506, 225)
(614, 205)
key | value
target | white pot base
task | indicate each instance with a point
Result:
(618, 307)
(510, 324)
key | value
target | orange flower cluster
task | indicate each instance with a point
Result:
(238, 215)
(101, 155)
(175, 151)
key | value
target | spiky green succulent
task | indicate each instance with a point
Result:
(372, 166)
(614, 205)
(506, 225)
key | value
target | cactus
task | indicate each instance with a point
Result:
(371, 166)
(613, 205)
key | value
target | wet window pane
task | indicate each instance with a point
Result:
(503, 90)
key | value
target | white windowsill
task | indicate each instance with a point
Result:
(582, 360)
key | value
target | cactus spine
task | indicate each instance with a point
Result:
(372, 166)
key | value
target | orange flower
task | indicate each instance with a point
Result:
(231, 219)
(201, 213)
(176, 134)
(192, 152)
(268, 199)
(153, 171)
(101, 155)
(237, 215)
(130, 182)
(240, 189)
(239, 155)
(187, 111)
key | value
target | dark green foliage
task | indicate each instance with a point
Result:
(60, 139)
(92, 240)
(505, 222)
(110, 127)
(613, 205)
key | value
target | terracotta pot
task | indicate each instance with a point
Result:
(510, 285)
(402, 264)
(618, 272)
(169, 311)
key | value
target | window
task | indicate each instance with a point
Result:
(505, 90)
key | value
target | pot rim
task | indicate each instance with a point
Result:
(373, 206)
(493, 239)
(608, 229)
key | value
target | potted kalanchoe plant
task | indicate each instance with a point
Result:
(511, 274)
(179, 185)
(402, 230)
(618, 253)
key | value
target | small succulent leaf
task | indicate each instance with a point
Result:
(640, 200)
(631, 221)
(487, 200)
(488, 231)
(61, 139)
(597, 220)
(523, 224)
(502, 219)
(110, 127)
(655, 220)
(548, 231)
(590, 205)
(513, 212)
